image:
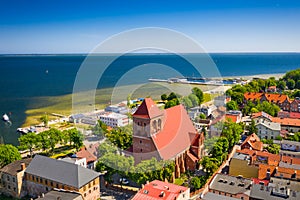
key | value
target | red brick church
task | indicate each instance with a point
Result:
(166, 135)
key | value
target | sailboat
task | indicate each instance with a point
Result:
(5, 118)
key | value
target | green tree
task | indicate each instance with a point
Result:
(42, 140)
(194, 99)
(121, 137)
(187, 102)
(76, 138)
(100, 129)
(45, 120)
(172, 96)
(163, 97)
(209, 165)
(172, 103)
(28, 141)
(232, 105)
(8, 154)
(281, 85)
(198, 92)
(202, 116)
(290, 84)
(297, 85)
(128, 100)
(55, 136)
(195, 183)
(252, 128)
(273, 148)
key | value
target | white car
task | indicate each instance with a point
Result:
(124, 181)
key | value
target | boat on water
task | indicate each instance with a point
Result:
(5, 118)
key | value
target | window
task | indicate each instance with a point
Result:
(140, 141)
(14, 180)
(15, 189)
(51, 183)
(47, 189)
(46, 182)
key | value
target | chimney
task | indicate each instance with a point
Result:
(143, 186)
(43, 195)
(23, 166)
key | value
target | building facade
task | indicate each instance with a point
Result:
(44, 174)
(114, 119)
(12, 176)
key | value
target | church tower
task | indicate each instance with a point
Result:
(147, 121)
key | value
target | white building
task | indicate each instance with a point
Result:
(77, 161)
(268, 130)
(114, 119)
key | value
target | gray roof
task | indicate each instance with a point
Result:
(241, 156)
(60, 171)
(290, 142)
(289, 165)
(289, 152)
(270, 125)
(268, 192)
(63, 195)
(293, 185)
(230, 184)
(213, 196)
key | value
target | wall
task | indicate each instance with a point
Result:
(241, 167)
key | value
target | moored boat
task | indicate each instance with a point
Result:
(5, 118)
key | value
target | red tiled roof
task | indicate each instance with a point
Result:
(273, 159)
(148, 109)
(263, 169)
(287, 121)
(290, 160)
(275, 98)
(252, 96)
(174, 138)
(233, 118)
(286, 172)
(84, 153)
(295, 115)
(259, 181)
(254, 142)
(154, 189)
(282, 121)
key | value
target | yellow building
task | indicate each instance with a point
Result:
(44, 174)
(240, 164)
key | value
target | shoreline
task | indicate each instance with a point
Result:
(63, 104)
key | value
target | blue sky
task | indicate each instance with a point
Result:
(76, 26)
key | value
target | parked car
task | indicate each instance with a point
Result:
(124, 181)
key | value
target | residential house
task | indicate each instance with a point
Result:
(44, 174)
(295, 105)
(291, 125)
(90, 158)
(279, 99)
(230, 186)
(11, 183)
(159, 190)
(290, 148)
(252, 142)
(234, 115)
(268, 130)
(60, 195)
(166, 135)
(272, 89)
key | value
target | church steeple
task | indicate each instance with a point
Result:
(148, 119)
